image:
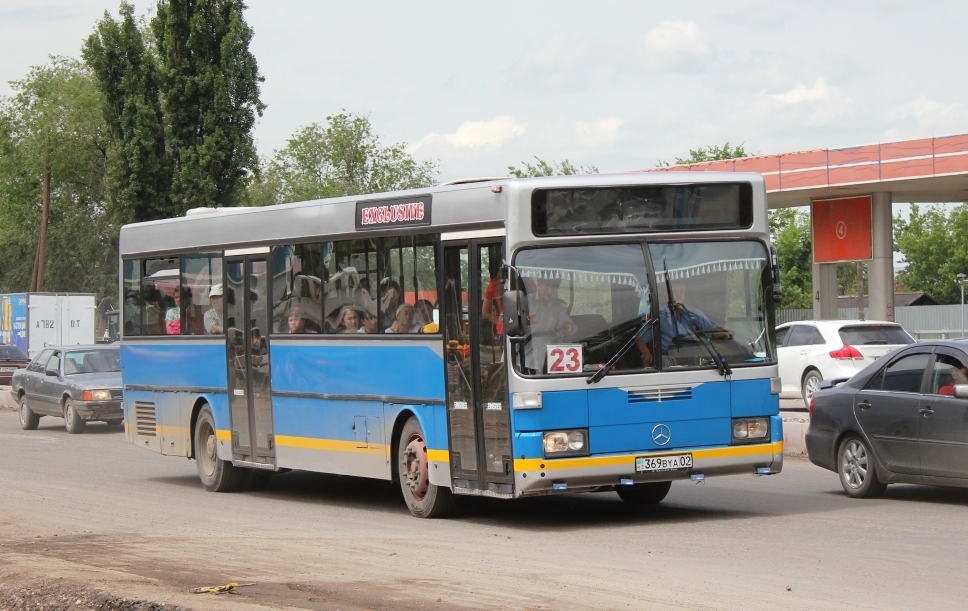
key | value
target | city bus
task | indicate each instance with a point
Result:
(503, 337)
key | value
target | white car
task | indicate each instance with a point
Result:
(813, 350)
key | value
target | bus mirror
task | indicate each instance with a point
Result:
(515, 312)
(775, 269)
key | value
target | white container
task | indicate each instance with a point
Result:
(33, 321)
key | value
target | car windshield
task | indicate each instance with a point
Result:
(586, 303)
(91, 361)
(861, 335)
(12, 353)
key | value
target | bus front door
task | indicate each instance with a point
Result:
(246, 329)
(475, 369)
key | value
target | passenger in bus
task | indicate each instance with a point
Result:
(390, 300)
(154, 311)
(213, 318)
(423, 312)
(548, 320)
(492, 308)
(297, 322)
(194, 318)
(403, 321)
(173, 315)
(349, 320)
(371, 324)
(132, 313)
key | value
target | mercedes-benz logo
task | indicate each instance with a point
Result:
(661, 434)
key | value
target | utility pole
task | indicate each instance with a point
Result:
(37, 281)
(860, 290)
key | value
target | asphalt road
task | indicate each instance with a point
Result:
(90, 509)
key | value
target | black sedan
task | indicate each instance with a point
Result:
(904, 418)
(77, 383)
(12, 358)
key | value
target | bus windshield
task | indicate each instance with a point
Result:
(585, 303)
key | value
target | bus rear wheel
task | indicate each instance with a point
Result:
(644, 494)
(424, 500)
(216, 474)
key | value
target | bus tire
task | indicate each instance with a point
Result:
(216, 474)
(423, 499)
(28, 418)
(644, 494)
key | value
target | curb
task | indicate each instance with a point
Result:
(794, 434)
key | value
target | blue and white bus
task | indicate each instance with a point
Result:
(505, 338)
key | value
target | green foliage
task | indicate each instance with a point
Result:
(710, 153)
(210, 98)
(933, 243)
(55, 115)
(544, 168)
(138, 179)
(790, 230)
(341, 157)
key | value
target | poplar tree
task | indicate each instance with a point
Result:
(210, 98)
(138, 179)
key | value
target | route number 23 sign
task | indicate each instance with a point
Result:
(564, 358)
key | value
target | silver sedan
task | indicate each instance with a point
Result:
(77, 383)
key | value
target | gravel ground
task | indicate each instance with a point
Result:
(61, 595)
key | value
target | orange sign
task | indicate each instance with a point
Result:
(842, 230)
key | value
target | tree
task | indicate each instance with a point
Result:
(710, 153)
(790, 229)
(138, 179)
(933, 243)
(210, 98)
(341, 157)
(52, 124)
(544, 168)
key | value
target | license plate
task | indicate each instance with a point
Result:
(8, 369)
(653, 464)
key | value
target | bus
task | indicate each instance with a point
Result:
(503, 337)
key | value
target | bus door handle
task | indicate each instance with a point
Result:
(865, 404)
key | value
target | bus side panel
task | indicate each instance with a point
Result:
(190, 364)
(349, 398)
(343, 437)
(753, 398)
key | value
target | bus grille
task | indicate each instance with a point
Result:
(672, 393)
(144, 418)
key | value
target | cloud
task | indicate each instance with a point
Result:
(676, 46)
(820, 92)
(475, 134)
(603, 132)
(929, 114)
(559, 66)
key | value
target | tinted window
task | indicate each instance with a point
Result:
(816, 338)
(637, 209)
(91, 361)
(131, 306)
(200, 273)
(875, 334)
(781, 335)
(11, 352)
(905, 374)
(801, 335)
(298, 285)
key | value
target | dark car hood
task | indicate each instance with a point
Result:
(111, 379)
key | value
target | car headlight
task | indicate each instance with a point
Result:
(750, 429)
(96, 395)
(566, 443)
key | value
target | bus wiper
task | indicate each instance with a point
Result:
(721, 364)
(607, 367)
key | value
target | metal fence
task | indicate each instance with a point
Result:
(923, 322)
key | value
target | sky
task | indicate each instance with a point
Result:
(476, 87)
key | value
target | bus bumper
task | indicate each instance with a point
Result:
(537, 476)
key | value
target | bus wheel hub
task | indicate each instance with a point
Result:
(415, 467)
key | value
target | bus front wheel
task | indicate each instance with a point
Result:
(424, 500)
(216, 474)
(644, 494)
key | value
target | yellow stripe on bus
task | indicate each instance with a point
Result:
(331, 445)
(438, 455)
(223, 435)
(542, 464)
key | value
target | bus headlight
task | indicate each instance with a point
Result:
(566, 443)
(750, 429)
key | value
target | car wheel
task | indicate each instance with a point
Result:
(28, 419)
(217, 475)
(72, 421)
(855, 465)
(644, 494)
(811, 382)
(424, 500)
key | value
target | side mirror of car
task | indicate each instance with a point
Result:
(515, 312)
(961, 391)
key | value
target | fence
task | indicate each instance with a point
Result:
(923, 322)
